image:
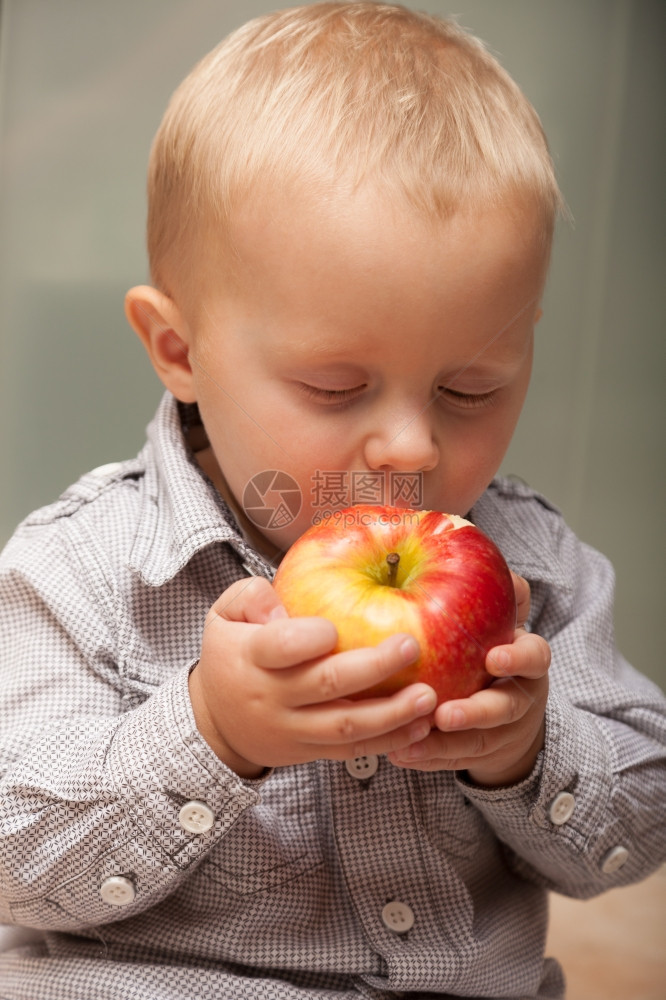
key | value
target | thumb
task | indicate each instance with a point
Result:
(249, 600)
(522, 591)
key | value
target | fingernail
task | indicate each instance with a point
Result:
(426, 701)
(456, 719)
(501, 659)
(409, 649)
(279, 611)
(419, 731)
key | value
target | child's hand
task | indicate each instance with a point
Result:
(496, 734)
(268, 692)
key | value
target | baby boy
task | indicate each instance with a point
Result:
(351, 209)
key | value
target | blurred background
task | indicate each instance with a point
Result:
(83, 86)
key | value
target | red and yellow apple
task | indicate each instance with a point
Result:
(374, 571)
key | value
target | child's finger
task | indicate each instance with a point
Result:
(291, 642)
(251, 599)
(354, 671)
(304, 642)
(347, 729)
(505, 702)
(527, 656)
(522, 591)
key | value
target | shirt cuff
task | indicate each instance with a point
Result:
(165, 772)
(559, 820)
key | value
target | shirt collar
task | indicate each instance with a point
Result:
(181, 511)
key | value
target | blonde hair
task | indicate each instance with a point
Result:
(360, 91)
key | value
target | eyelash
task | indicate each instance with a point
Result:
(468, 400)
(339, 396)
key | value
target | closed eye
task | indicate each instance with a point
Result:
(329, 396)
(467, 400)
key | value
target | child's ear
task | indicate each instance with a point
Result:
(159, 324)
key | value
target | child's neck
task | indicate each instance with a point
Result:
(208, 463)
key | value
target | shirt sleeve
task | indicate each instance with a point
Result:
(100, 803)
(592, 814)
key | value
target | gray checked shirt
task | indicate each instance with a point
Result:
(154, 872)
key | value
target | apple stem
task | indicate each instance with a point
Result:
(392, 560)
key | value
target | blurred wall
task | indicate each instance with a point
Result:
(83, 87)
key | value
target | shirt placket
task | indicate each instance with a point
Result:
(388, 876)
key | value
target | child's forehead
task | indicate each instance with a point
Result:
(354, 264)
(339, 218)
(299, 242)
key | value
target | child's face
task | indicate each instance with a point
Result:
(357, 339)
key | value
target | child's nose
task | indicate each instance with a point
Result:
(405, 443)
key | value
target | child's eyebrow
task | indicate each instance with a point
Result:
(483, 369)
(331, 374)
(326, 351)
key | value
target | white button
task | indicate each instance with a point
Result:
(398, 917)
(117, 890)
(561, 808)
(196, 817)
(615, 858)
(362, 767)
